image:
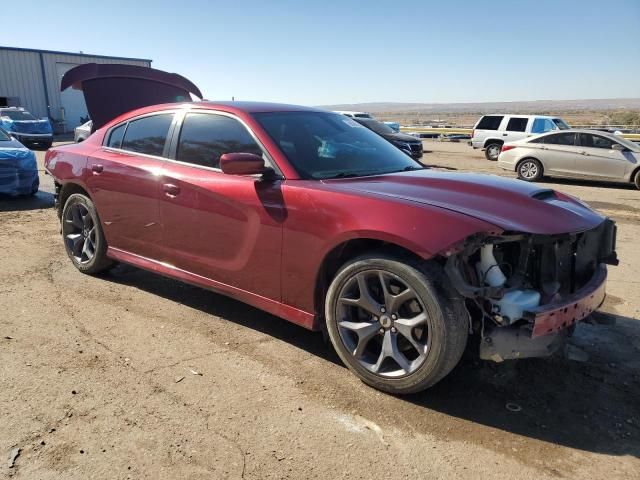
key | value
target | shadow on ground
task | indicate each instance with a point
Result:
(592, 405)
(37, 202)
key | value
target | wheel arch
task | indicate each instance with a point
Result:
(489, 141)
(634, 174)
(65, 190)
(342, 253)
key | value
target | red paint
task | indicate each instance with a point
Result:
(264, 241)
(558, 316)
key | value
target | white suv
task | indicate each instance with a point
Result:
(492, 131)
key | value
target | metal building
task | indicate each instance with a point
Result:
(31, 79)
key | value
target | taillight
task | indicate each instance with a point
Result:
(506, 148)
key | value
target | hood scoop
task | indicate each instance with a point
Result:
(546, 194)
(113, 89)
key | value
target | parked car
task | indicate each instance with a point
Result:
(352, 114)
(407, 143)
(82, 132)
(493, 131)
(307, 215)
(18, 168)
(26, 128)
(574, 154)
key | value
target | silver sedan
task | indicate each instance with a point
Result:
(574, 154)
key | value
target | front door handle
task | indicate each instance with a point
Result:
(97, 168)
(170, 189)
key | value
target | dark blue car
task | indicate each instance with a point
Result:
(18, 167)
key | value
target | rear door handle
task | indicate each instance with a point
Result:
(97, 168)
(171, 189)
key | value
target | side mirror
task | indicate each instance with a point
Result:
(242, 164)
(618, 147)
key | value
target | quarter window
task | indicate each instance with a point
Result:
(489, 122)
(517, 124)
(115, 137)
(561, 139)
(148, 134)
(205, 138)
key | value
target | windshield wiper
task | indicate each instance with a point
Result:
(411, 168)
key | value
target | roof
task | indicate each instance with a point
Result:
(255, 107)
(77, 54)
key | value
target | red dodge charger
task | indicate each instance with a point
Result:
(310, 216)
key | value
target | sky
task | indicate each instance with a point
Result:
(321, 52)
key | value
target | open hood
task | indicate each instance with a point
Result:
(113, 89)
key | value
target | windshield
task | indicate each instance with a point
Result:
(561, 124)
(328, 145)
(17, 115)
(4, 136)
(627, 143)
(378, 127)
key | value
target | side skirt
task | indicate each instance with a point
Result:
(292, 314)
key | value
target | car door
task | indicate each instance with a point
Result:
(124, 183)
(598, 159)
(558, 152)
(515, 129)
(227, 228)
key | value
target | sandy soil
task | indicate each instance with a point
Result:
(98, 378)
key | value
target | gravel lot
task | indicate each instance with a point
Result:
(130, 375)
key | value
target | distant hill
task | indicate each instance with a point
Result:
(536, 106)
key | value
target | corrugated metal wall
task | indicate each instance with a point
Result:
(21, 76)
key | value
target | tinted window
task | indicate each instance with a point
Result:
(595, 141)
(517, 124)
(489, 122)
(378, 127)
(542, 125)
(147, 135)
(205, 138)
(115, 137)
(560, 139)
(561, 124)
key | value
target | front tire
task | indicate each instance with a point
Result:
(492, 151)
(530, 170)
(83, 237)
(637, 180)
(395, 323)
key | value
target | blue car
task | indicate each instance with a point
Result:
(26, 128)
(18, 167)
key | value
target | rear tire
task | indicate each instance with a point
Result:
(492, 151)
(82, 235)
(530, 170)
(415, 341)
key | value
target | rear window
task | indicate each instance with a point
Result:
(517, 124)
(489, 122)
(148, 134)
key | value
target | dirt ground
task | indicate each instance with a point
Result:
(130, 375)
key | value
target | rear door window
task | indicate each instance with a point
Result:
(489, 122)
(560, 139)
(204, 138)
(147, 135)
(517, 124)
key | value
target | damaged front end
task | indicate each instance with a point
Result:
(526, 292)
